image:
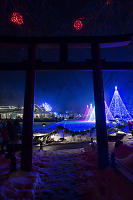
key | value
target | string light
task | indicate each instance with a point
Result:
(90, 116)
(89, 113)
(108, 2)
(17, 18)
(47, 107)
(109, 115)
(78, 25)
(118, 108)
(86, 112)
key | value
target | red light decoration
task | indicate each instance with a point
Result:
(78, 24)
(108, 2)
(17, 18)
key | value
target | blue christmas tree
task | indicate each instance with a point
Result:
(118, 108)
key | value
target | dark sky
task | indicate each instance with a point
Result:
(52, 17)
(65, 90)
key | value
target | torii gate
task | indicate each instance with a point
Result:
(95, 64)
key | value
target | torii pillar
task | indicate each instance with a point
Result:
(101, 130)
(27, 134)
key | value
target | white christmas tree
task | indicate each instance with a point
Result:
(89, 112)
(109, 115)
(92, 116)
(118, 108)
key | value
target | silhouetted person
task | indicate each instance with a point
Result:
(91, 140)
(12, 137)
(10, 130)
(93, 144)
(1, 125)
(41, 145)
(4, 134)
(16, 128)
(13, 162)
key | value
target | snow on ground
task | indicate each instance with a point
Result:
(53, 177)
(97, 184)
(70, 138)
(4, 169)
(62, 175)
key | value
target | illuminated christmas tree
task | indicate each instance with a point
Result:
(92, 116)
(47, 107)
(109, 115)
(118, 108)
(86, 112)
(89, 113)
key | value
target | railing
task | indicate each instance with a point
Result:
(121, 167)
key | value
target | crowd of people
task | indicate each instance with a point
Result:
(9, 134)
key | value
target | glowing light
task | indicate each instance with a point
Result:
(90, 116)
(86, 112)
(115, 87)
(17, 18)
(56, 114)
(108, 2)
(118, 108)
(78, 24)
(109, 115)
(47, 107)
(90, 112)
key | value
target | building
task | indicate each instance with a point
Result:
(13, 112)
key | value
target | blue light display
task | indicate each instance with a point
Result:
(47, 107)
(118, 108)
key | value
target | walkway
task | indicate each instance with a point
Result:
(63, 174)
(60, 178)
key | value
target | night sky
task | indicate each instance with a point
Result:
(67, 90)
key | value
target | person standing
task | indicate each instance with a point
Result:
(1, 125)
(4, 134)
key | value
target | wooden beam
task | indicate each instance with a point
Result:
(101, 131)
(63, 52)
(27, 135)
(88, 65)
(24, 41)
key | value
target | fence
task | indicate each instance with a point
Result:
(121, 167)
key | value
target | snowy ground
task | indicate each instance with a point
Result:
(65, 173)
(53, 177)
